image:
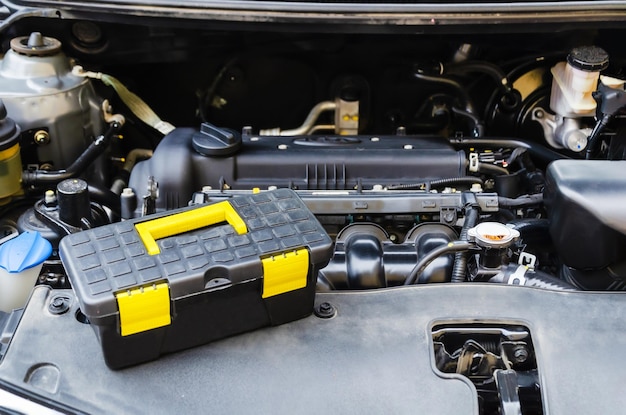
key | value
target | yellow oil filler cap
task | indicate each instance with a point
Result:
(10, 160)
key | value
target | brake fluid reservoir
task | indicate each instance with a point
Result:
(575, 80)
(10, 161)
(58, 112)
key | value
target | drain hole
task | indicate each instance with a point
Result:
(81, 317)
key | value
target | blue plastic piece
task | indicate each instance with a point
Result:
(26, 251)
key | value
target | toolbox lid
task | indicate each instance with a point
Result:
(29, 249)
(269, 235)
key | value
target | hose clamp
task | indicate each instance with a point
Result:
(518, 277)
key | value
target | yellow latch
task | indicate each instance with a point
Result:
(144, 308)
(285, 272)
(187, 221)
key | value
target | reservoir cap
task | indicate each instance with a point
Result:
(588, 58)
(26, 251)
(9, 131)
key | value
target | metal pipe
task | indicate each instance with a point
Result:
(309, 123)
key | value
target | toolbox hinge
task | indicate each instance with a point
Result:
(285, 272)
(144, 308)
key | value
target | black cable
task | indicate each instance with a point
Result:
(432, 255)
(105, 197)
(491, 169)
(534, 149)
(595, 133)
(479, 127)
(46, 177)
(459, 271)
(469, 180)
(467, 102)
(488, 68)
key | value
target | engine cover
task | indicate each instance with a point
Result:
(584, 199)
(308, 163)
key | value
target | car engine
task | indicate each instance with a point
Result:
(427, 158)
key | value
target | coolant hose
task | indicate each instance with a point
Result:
(533, 278)
(37, 178)
(539, 279)
(460, 258)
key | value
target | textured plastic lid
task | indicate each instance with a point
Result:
(214, 141)
(588, 58)
(26, 251)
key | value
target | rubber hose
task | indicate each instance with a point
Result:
(460, 258)
(539, 279)
(534, 149)
(484, 67)
(106, 198)
(479, 127)
(95, 149)
(467, 102)
(492, 169)
(536, 279)
(457, 246)
(522, 201)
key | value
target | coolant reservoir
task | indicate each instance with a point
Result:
(21, 260)
(58, 112)
(575, 80)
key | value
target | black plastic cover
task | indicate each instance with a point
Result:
(338, 163)
(374, 357)
(585, 202)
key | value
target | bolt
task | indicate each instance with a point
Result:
(282, 146)
(325, 310)
(50, 198)
(539, 113)
(41, 137)
(59, 305)
(520, 354)
(408, 147)
(375, 139)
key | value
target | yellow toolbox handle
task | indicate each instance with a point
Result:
(190, 220)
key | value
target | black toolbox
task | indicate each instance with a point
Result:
(171, 281)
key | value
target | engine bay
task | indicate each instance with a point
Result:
(448, 159)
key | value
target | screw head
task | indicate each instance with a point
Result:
(325, 310)
(520, 354)
(59, 305)
(41, 137)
